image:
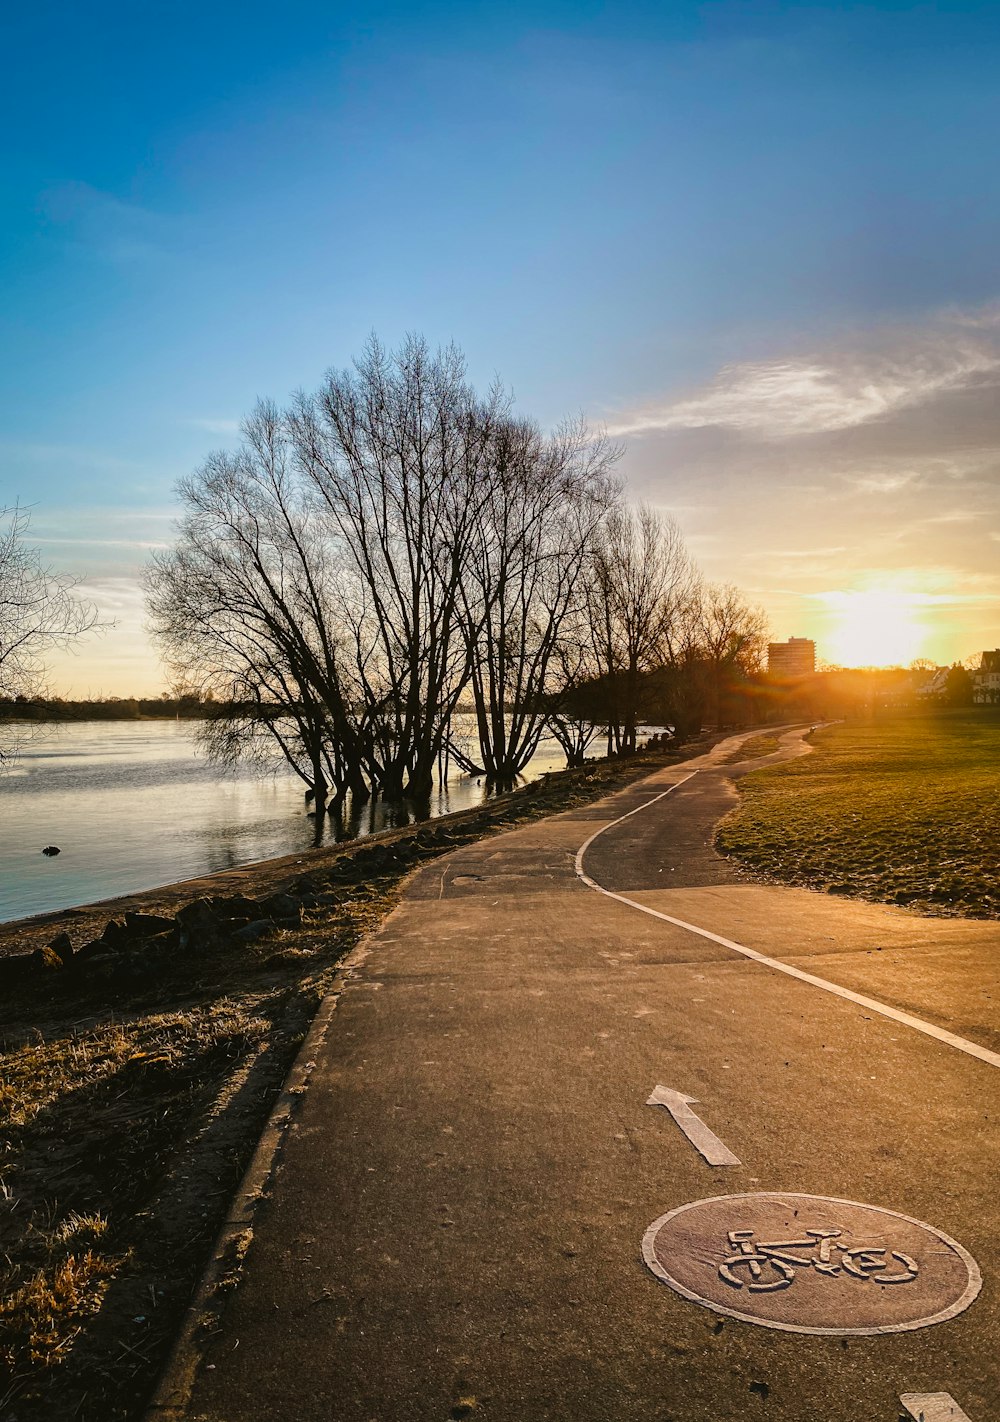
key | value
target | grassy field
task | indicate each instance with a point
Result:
(902, 811)
(134, 1086)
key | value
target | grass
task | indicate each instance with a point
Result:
(129, 1109)
(765, 744)
(902, 811)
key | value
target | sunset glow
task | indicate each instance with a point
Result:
(876, 628)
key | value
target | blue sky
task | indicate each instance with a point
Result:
(759, 239)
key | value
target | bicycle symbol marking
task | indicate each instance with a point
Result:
(771, 1266)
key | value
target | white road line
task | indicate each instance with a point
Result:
(703, 1140)
(906, 1019)
(933, 1407)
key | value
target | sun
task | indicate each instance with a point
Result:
(878, 628)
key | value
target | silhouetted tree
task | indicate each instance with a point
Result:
(958, 686)
(520, 598)
(396, 451)
(640, 586)
(244, 609)
(733, 639)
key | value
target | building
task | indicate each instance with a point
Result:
(796, 657)
(986, 681)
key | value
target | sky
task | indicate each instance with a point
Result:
(757, 241)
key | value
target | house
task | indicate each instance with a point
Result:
(986, 680)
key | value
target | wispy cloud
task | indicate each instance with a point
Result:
(788, 398)
(140, 543)
(215, 426)
(884, 483)
(79, 456)
(106, 226)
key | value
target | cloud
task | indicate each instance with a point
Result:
(79, 456)
(794, 475)
(216, 426)
(140, 543)
(883, 483)
(788, 398)
(120, 232)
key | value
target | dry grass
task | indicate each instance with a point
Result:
(904, 811)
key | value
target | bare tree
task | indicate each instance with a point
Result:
(243, 607)
(40, 611)
(733, 638)
(521, 593)
(571, 714)
(639, 591)
(396, 452)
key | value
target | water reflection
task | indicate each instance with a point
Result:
(135, 804)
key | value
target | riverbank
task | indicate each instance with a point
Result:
(140, 1065)
(901, 811)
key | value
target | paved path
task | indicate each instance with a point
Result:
(455, 1225)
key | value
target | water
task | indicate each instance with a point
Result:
(133, 805)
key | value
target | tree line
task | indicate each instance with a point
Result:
(397, 547)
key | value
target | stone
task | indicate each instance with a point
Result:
(94, 949)
(145, 925)
(256, 929)
(198, 911)
(236, 907)
(115, 934)
(47, 960)
(283, 907)
(63, 945)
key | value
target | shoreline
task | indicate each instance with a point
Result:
(22, 935)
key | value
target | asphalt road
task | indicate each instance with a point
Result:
(455, 1226)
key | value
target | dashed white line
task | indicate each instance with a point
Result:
(906, 1019)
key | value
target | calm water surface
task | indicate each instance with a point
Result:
(135, 804)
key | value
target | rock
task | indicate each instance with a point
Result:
(237, 907)
(115, 935)
(63, 945)
(95, 949)
(198, 911)
(146, 925)
(47, 960)
(282, 908)
(251, 932)
(51, 850)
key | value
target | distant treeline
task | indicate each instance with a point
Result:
(105, 708)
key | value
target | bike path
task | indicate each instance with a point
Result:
(454, 1228)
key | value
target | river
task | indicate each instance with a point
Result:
(132, 805)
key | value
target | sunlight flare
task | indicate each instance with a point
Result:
(876, 628)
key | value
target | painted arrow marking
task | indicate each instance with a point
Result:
(933, 1407)
(703, 1140)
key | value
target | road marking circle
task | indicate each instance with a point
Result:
(811, 1264)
